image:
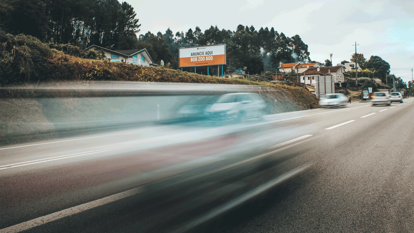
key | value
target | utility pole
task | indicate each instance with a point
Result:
(356, 65)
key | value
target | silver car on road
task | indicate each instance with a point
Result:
(378, 98)
(396, 97)
(333, 100)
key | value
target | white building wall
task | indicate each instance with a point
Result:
(325, 85)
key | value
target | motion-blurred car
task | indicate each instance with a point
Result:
(195, 108)
(379, 98)
(396, 97)
(237, 107)
(333, 100)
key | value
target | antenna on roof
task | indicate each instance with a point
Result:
(331, 54)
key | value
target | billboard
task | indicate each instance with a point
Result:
(202, 56)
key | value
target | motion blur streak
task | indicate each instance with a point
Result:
(193, 151)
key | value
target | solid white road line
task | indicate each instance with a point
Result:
(59, 141)
(31, 162)
(393, 107)
(335, 126)
(70, 211)
(368, 115)
(383, 110)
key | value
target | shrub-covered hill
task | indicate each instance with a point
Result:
(25, 59)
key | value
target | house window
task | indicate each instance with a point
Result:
(303, 78)
(114, 57)
(142, 60)
(308, 78)
(313, 78)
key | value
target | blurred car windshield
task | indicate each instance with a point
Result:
(331, 96)
(380, 94)
(229, 99)
(395, 93)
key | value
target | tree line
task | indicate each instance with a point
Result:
(377, 67)
(114, 25)
(257, 50)
(107, 23)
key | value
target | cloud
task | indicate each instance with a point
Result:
(251, 5)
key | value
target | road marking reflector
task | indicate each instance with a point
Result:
(70, 211)
(335, 126)
(368, 115)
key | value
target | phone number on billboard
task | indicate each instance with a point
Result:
(202, 58)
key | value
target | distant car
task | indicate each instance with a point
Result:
(237, 107)
(380, 98)
(396, 97)
(333, 100)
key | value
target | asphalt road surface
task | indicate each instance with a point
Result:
(363, 182)
(360, 180)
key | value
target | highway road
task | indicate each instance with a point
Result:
(354, 174)
(363, 181)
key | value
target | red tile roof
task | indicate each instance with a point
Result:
(308, 64)
(289, 65)
(315, 72)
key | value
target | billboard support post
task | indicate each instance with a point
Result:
(181, 69)
(218, 71)
(208, 72)
(222, 71)
(195, 70)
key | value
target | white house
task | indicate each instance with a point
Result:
(337, 73)
(303, 67)
(321, 81)
(288, 67)
(296, 67)
(134, 56)
(351, 67)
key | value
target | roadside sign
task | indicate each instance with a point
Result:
(365, 95)
(202, 56)
(370, 89)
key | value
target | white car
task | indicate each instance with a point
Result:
(396, 97)
(237, 107)
(378, 98)
(333, 100)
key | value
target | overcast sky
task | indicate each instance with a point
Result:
(381, 27)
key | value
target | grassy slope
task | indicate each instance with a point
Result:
(68, 68)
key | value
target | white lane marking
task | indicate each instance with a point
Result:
(335, 126)
(393, 107)
(32, 162)
(70, 211)
(45, 143)
(383, 110)
(288, 119)
(241, 199)
(368, 115)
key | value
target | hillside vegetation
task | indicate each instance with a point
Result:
(24, 59)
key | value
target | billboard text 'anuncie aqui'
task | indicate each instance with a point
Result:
(203, 56)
